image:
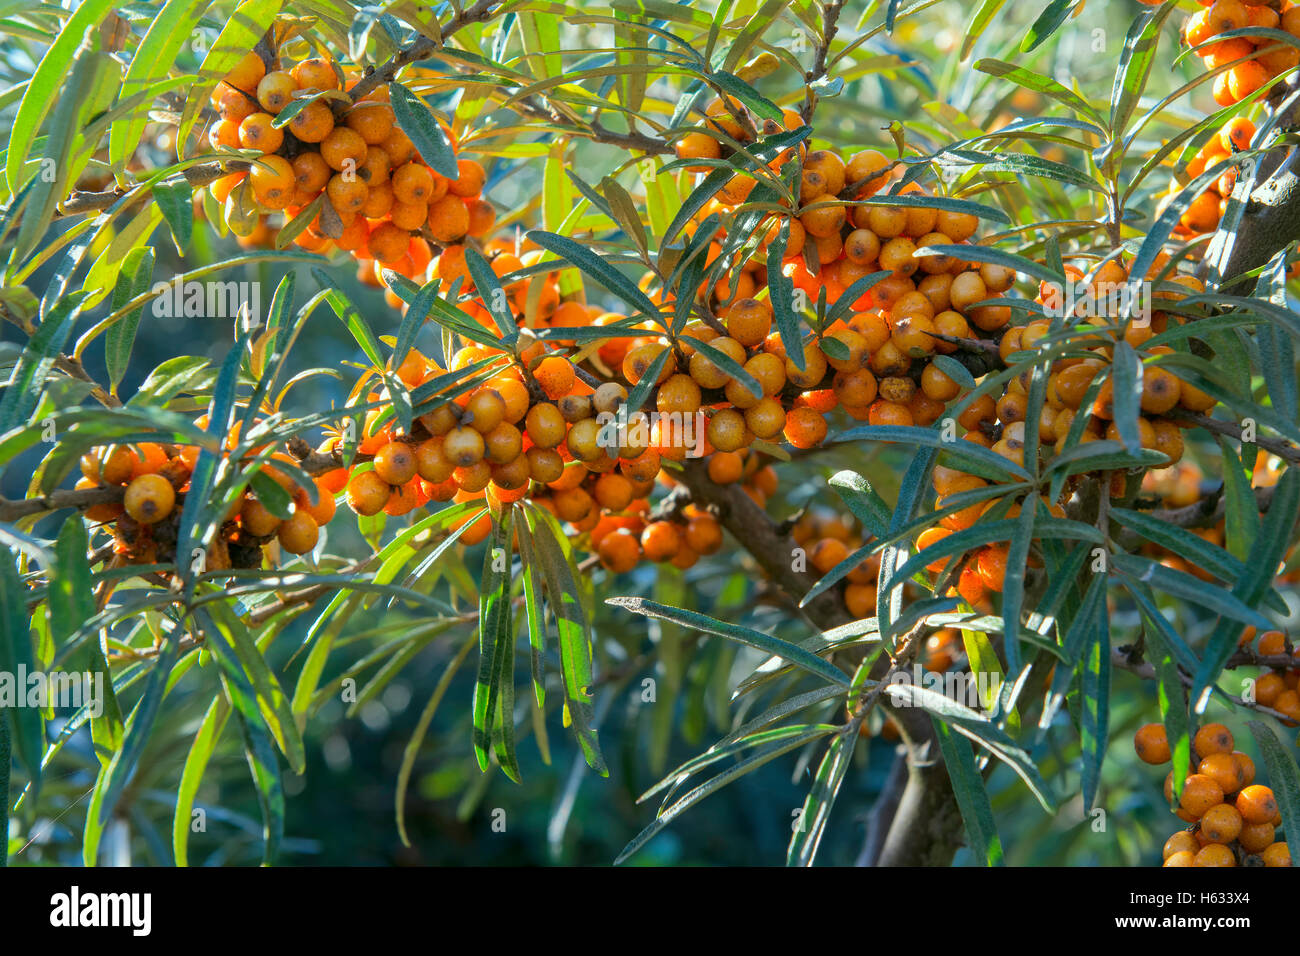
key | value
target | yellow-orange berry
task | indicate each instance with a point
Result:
(149, 498)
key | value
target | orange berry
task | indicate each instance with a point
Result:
(1257, 804)
(660, 541)
(395, 463)
(1215, 854)
(298, 533)
(149, 498)
(470, 180)
(448, 219)
(247, 73)
(619, 551)
(1278, 854)
(315, 73)
(1224, 770)
(1151, 744)
(1213, 739)
(1221, 823)
(275, 90)
(313, 123)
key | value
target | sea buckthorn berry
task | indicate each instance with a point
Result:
(275, 90)
(310, 172)
(463, 446)
(1199, 794)
(1180, 842)
(448, 219)
(315, 74)
(1288, 703)
(367, 493)
(704, 534)
(372, 121)
(574, 408)
(583, 441)
(502, 444)
(814, 370)
(804, 428)
(1213, 739)
(256, 132)
(395, 463)
(1215, 854)
(544, 464)
(233, 104)
(958, 226)
(1272, 644)
(702, 369)
(298, 533)
(545, 425)
(108, 467)
(345, 195)
(485, 410)
(399, 147)
(748, 321)
(1181, 858)
(344, 149)
(149, 498)
(698, 146)
(412, 183)
(868, 165)
(1278, 854)
(247, 73)
(1221, 823)
(470, 180)
(767, 418)
(323, 511)
(1224, 769)
(313, 123)
(727, 431)
(1257, 804)
(660, 541)
(678, 394)
(1255, 837)
(555, 375)
(1151, 744)
(473, 478)
(725, 468)
(641, 359)
(619, 551)
(1268, 688)
(256, 519)
(991, 564)
(608, 397)
(272, 179)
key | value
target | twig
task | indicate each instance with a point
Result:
(1232, 430)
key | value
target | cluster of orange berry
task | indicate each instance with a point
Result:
(1255, 60)
(828, 539)
(1205, 211)
(1235, 819)
(1247, 64)
(387, 207)
(875, 362)
(1000, 424)
(1279, 686)
(155, 479)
